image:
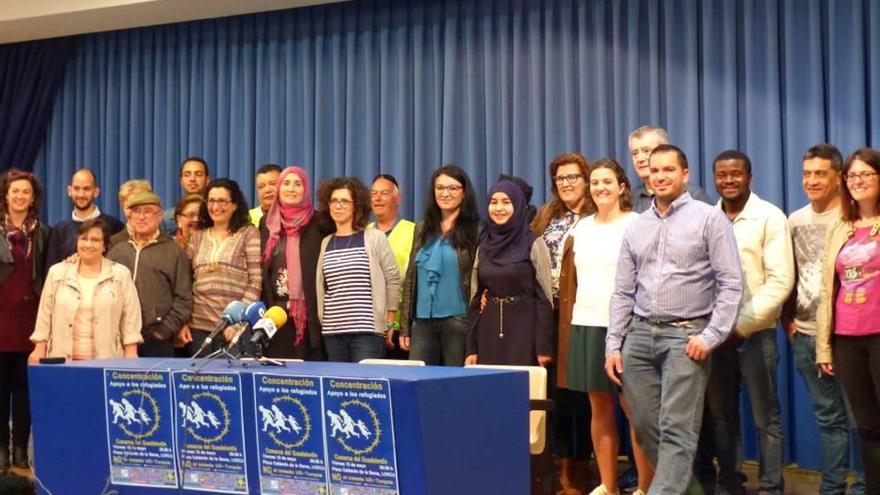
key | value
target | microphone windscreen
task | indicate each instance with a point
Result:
(254, 312)
(234, 311)
(277, 314)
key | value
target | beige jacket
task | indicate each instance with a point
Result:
(838, 233)
(763, 237)
(116, 307)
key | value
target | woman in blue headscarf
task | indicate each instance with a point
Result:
(512, 267)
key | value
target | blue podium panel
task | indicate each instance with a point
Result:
(447, 430)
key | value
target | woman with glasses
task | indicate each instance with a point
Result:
(22, 254)
(291, 235)
(512, 274)
(437, 287)
(357, 277)
(847, 322)
(554, 222)
(225, 254)
(186, 214)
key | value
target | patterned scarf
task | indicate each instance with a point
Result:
(15, 235)
(291, 219)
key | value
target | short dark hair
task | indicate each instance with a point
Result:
(390, 178)
(269, 167)
(849, 207)
(733, 155)
(194, 159)
(239, 216)
(825, 151)
(186, 201)
(96, 223)
(359, 194)
(12, 175)
(670, 148)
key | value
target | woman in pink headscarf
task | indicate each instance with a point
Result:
(291, 236)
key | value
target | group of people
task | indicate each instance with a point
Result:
(646, 295)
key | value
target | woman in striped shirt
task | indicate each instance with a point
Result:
(358, 279)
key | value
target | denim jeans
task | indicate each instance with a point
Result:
(836, 425)
(439, 341)
(353, 347)
(665, 389)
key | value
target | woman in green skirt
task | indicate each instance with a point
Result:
(597, 240)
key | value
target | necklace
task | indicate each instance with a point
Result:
(348, 239)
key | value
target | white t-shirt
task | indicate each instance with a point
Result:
(596, 249)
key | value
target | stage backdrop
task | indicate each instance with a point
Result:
(494, 86)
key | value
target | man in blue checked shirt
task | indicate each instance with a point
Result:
(677, 291)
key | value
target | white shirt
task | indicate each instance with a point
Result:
(763, 237)
(596, 249)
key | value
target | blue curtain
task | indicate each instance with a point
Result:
(30, 76)
(494, 86)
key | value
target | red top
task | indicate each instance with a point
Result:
(18, 303)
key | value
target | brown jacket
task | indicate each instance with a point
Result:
(567, 292)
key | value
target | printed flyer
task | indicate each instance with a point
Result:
(359, 434)
(290, 434)
(140, 428)
(210, 432)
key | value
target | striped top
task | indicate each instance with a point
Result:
(348, 301)
(681, 265)
(223, 271)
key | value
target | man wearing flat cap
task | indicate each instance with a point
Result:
(161, 273)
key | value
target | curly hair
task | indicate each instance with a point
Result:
(612, 165)
(359, 194)
(239, 218)
(12, 175)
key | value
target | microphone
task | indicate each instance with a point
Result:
(231, 315)
(253, 313)
(265, 329)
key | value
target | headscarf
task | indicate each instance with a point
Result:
(291, 219)
(508, 243)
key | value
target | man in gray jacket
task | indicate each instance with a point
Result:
(161, 273)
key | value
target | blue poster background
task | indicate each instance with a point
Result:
(359, 434)
(210, 432)
(140, 428)
(290, 434)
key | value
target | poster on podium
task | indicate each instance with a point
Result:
(210, 432)
(140, 428)
(359, 435)
(290, 434)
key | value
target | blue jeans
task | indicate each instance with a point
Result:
(351, 348)
(665, 389)
(758, 359)
(439, 341)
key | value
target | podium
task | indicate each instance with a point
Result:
(456, 431)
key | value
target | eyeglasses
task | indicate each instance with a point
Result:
(189, 215)
(864, 176)
(451, 189)
(339, 202)
(222, 203)
(570, 179)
